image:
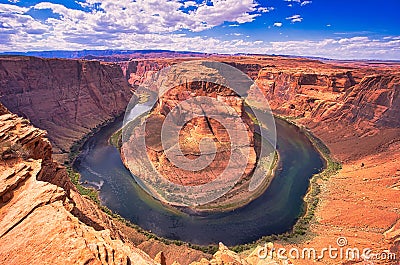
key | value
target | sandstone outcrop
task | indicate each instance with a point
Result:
(136, 71)
(299, 92)
(375, 101)
(67, 98)
(37, 218)
(225, 256)
(232, 136)
(334, 97)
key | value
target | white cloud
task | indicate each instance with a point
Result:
(301, 2)
(265, 9)
(108, 23)
(295, 18)
(126, 24)
(146, 16)
(305, 3)
(206, 16)
(391, 38)
(151, 24)
(353, 40)
(7, 9)
(189, 4)
(345, 48)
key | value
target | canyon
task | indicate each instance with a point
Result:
(353, 107)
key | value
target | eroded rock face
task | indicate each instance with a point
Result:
(375, 100)
(353, 97)
(195, 130)
(39, 223)
(299, 93)
(136, 71)
(67, 98)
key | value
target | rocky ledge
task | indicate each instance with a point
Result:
(45, 220)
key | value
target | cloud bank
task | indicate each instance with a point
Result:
(173, 25)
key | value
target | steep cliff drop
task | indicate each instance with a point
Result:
(67, 98)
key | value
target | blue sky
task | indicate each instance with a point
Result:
(367, 29)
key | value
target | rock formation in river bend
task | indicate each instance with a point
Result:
(183, 100)
(67, 98)
(195, 130)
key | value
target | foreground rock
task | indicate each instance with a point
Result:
(38, 219)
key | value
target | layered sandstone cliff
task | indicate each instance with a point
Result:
(42, 222)
(67, 98)
(334, 95)
(137, 71)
